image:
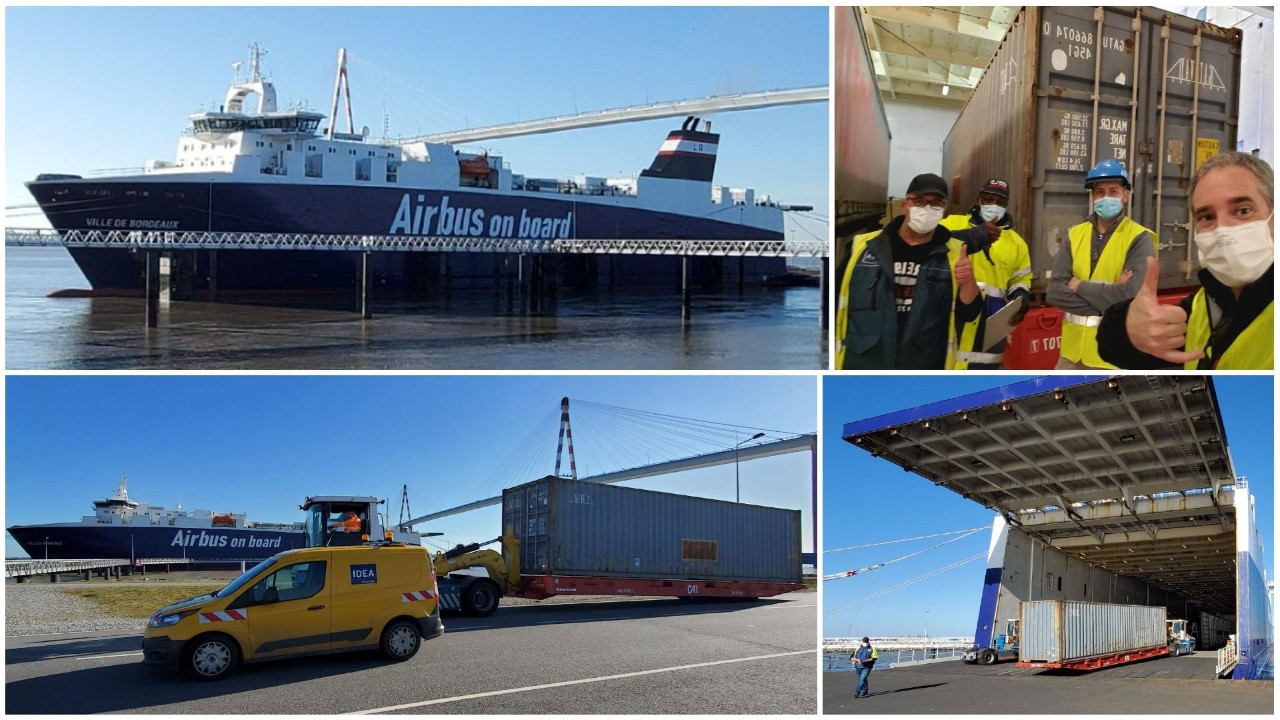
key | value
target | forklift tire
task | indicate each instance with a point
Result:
(988, 657)
(480, 599)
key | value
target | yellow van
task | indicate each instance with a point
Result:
(303, 602)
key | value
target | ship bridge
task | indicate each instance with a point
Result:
(1111, 489)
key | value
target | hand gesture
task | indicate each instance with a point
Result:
(1157, 329)
(993, 230)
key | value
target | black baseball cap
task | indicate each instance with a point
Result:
(927, 183)
(867, 639)
(996, 186)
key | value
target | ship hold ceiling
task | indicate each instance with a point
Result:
(1129, 473)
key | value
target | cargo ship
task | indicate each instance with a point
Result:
(125, 528)
(274, 171)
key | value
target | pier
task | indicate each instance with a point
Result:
(106, 568)
(534, 257)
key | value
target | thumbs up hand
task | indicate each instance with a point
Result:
(1156, 329)
(964, 277)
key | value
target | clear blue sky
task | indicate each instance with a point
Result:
(260, 444)
(867, 500)
(95, 88)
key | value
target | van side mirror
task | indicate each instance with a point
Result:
(272, 595)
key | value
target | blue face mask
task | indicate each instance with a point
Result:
(1108, 208)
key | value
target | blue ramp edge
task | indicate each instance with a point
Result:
(1016, 391)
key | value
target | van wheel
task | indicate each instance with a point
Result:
(401, 640)
(480, 599)
(210, 657)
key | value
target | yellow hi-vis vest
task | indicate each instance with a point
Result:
(1005, 267)
(1080, 332)
(970, 329)
(1253, 349)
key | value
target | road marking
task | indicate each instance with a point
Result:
(99, 657)
(570, 622)
(566, 683)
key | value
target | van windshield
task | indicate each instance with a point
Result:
(247, 577)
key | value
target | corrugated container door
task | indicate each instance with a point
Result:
(1039, 630)
(1192, 69)
(1089, 82)
(527, 511)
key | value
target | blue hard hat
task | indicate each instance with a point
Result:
(1107, 170)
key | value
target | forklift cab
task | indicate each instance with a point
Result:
(340, 521)
(1181, 642)
(1009, 640)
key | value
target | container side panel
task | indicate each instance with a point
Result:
(1065, 630)
(991, 138)
(584, 528)
(862, 130)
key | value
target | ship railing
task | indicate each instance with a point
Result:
(1227, 658)
(115, 172)
(905, 657)
(162, 239)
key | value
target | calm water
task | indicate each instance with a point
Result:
(764, 330)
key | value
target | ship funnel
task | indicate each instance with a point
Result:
(687, 154)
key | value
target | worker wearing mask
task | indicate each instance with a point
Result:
(1102, 263)
(863, 660)
(1002, 269)
(908, 292)
(1229, 323)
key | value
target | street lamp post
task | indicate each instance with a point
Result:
(46, 547)
(737, 486)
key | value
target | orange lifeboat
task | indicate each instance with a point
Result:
(474, 167)
(223, 521)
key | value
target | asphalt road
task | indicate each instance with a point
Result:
(1164, 685)
(636, 657)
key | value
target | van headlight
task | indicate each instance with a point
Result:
(160, 620)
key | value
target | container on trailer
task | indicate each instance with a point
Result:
(1071, 86)
(862, 131)
(571, 527)
(1060, 631)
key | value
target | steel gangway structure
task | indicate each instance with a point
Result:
(209, 240)
(153, 244)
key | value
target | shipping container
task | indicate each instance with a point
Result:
(1072, 86)
(862, 133)
(576, 528)
(1064, 631)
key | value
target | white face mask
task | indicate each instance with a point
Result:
(1237, 254)
(991, 212)
(924, 220)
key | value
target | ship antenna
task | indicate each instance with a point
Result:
(255, 61)
(341, 83)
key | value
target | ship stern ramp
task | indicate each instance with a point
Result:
(1106, 489)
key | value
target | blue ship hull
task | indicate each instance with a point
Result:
(71, 542)
(74, 204)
